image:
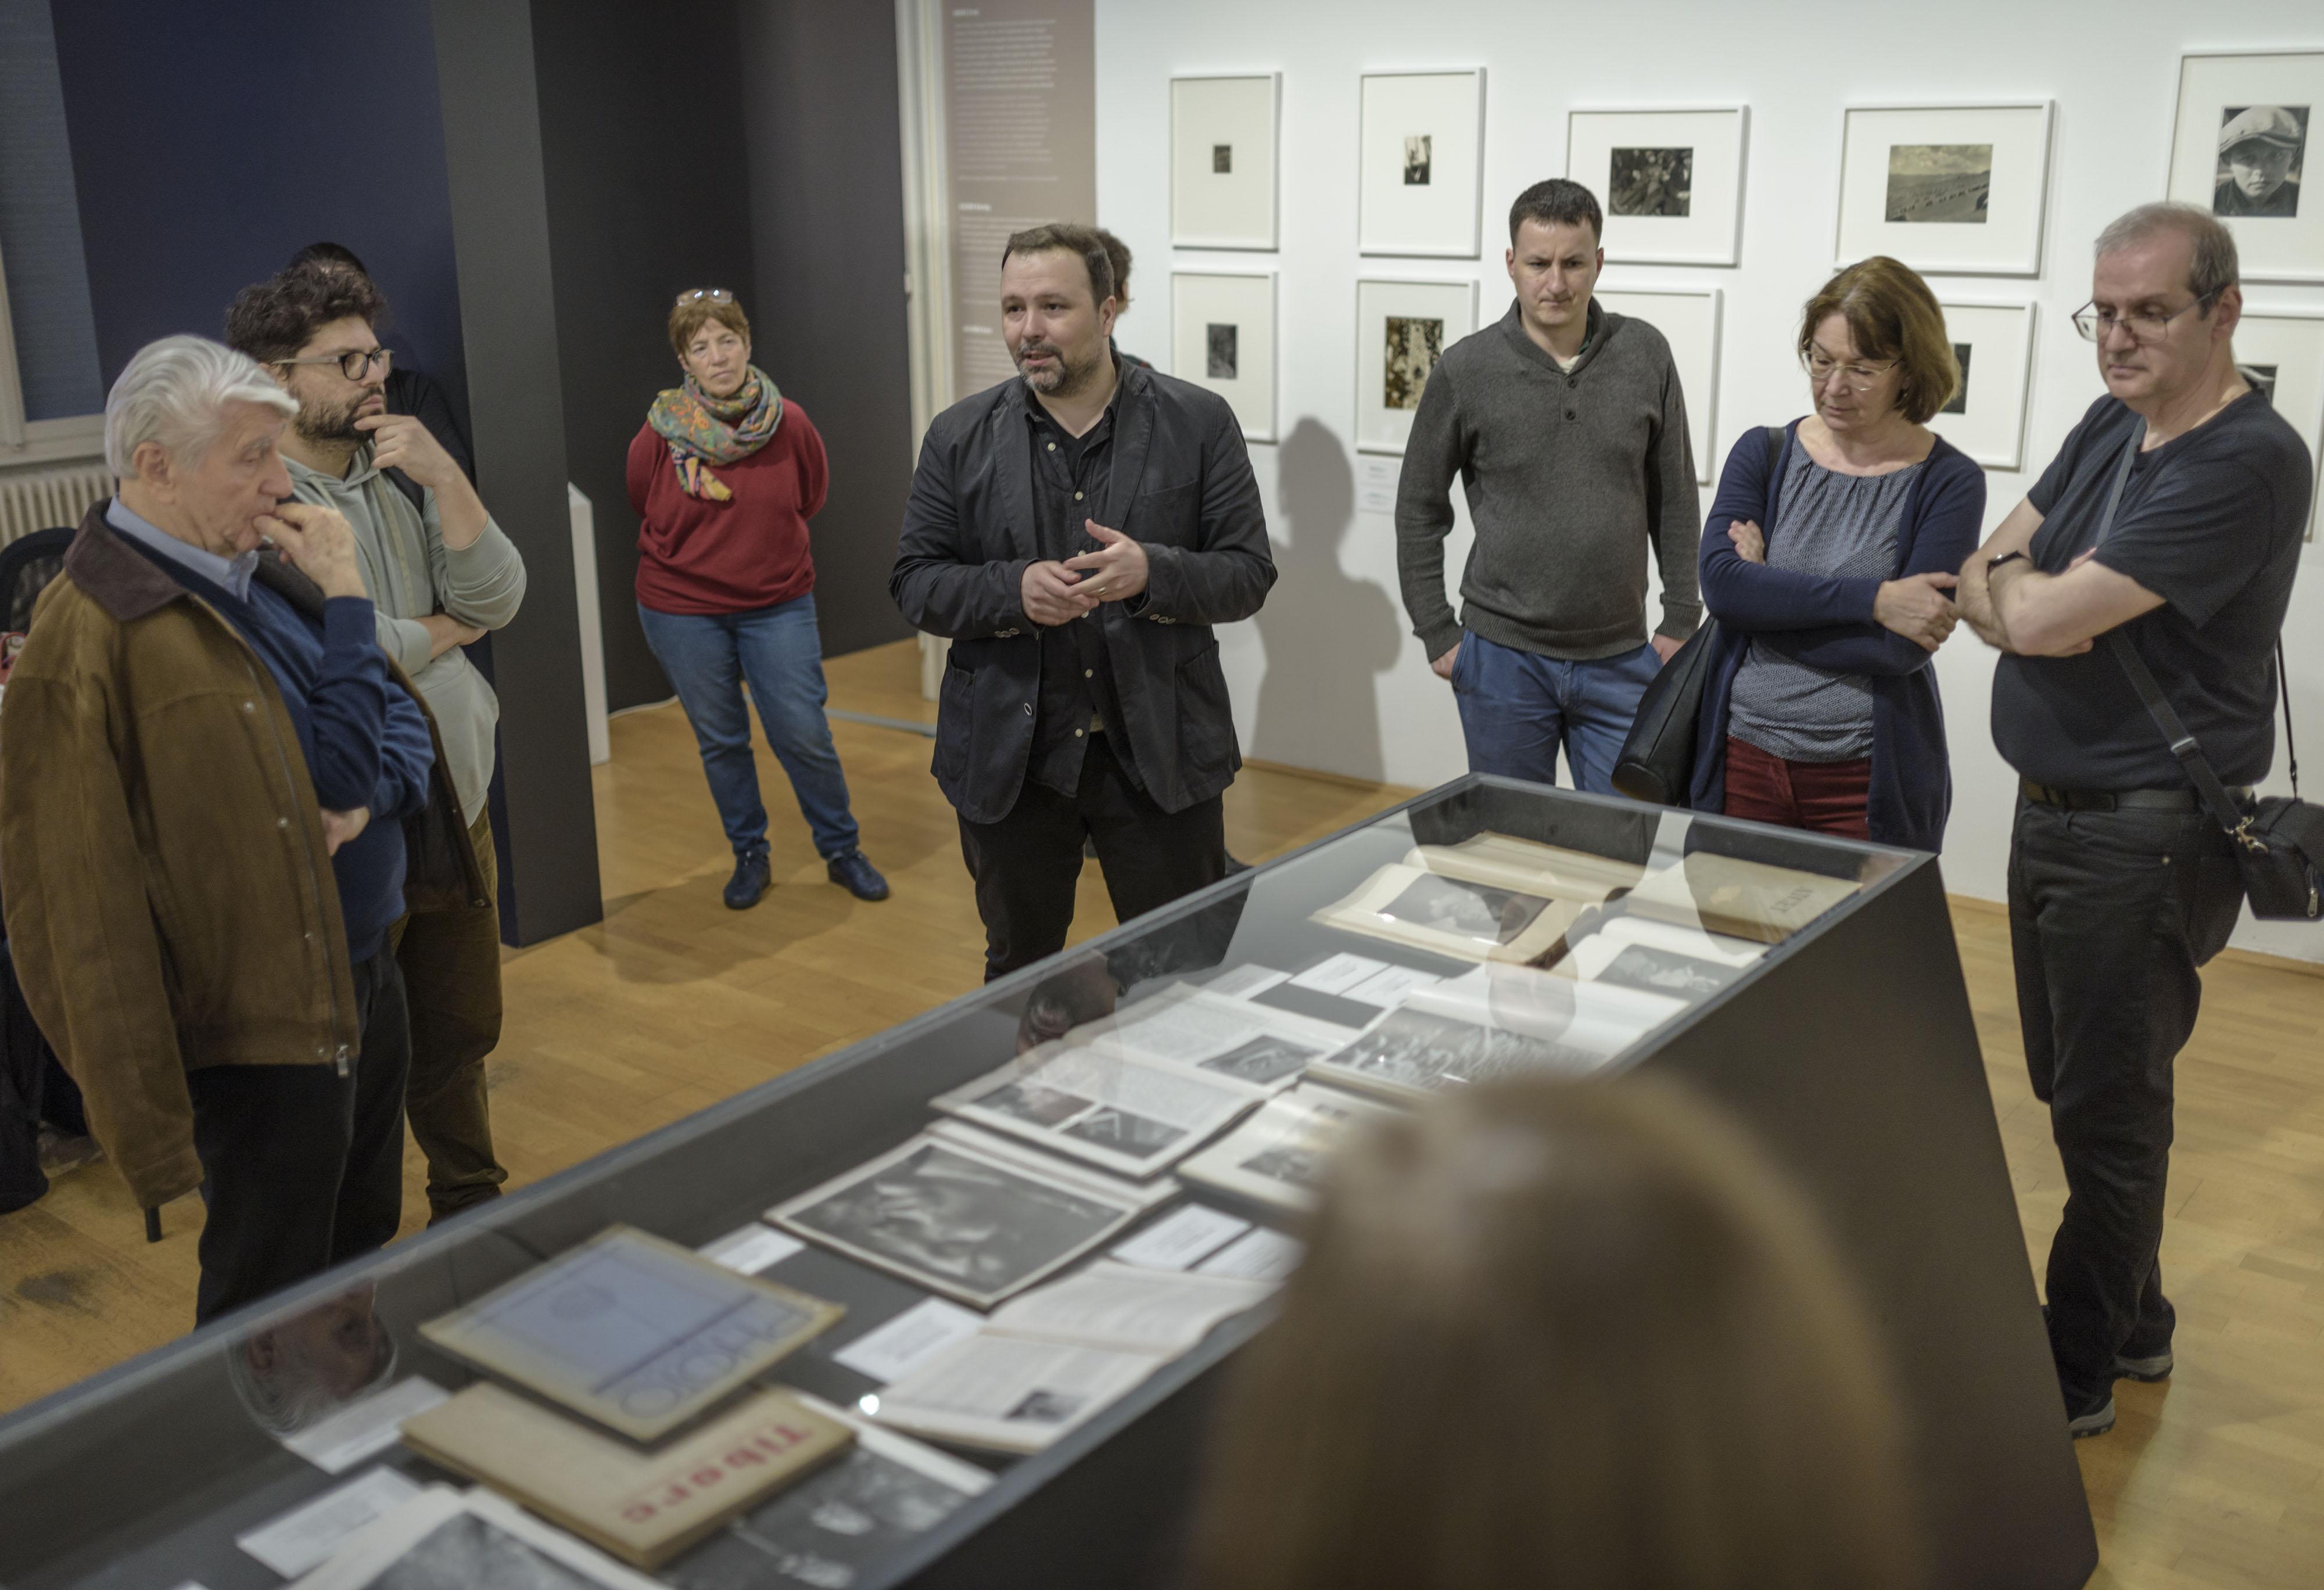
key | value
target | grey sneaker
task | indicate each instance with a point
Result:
(2096, 1422)
(2154, 1366)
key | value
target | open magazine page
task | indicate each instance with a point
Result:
(1011, 1394)
(1583, 1017)
(1122, 1114)
(1659, 958)
(844, 1521)
(444, 1537)
(959, 1213)
(1121, 1306)
(1277, 1158)
(1410, 1052)
(1215, 1034)
(1737, 898)
(1531, 866)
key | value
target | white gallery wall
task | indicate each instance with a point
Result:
(1329, 677)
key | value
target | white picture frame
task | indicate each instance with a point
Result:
(1911, 187)
(1420, 166)
(1240, 367)
(1224, 149)
(1985, 418)
(1388, 394)
(2287, 346)
(1688, 320)
(2213, 86)
(1669, 182)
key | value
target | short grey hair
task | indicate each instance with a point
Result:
(176, 391)
(2213, 267)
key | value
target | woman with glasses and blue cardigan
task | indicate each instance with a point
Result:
(1828, 561)
(725, 474)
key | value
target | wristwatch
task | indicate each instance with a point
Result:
(1992, 564)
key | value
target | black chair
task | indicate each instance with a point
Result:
(27, 564)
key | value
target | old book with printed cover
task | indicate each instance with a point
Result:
(644, 1507)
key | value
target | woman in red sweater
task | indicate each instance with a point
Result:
(724, 475)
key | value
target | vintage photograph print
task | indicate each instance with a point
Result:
(1940, 182)
(1219, 342)
(2261, 147)
(1415, 344)
(1650, 182)
(1960, 401)
(1416, 160)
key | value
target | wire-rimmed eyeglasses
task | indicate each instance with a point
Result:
(2093, 323)
(706, 295)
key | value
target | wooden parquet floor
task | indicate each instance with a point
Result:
(671, 1003)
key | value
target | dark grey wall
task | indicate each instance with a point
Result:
(648, 193)
(544, 814)
(827, 315)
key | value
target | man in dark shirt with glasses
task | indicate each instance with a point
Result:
(1076, 532)
(2121, 885)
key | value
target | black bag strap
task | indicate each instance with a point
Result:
(2191, 760)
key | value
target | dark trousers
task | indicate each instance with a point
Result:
(1823, 798)
(2110, 913)
(451, 964)
(302, 1167)
(1025, 865)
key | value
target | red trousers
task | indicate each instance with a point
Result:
(1823, 798)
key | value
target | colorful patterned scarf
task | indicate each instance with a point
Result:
(702, 430)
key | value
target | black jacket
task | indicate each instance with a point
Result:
(1182, 486)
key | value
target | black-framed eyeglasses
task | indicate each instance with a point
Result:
(353, 365)
(1858, 378)
(2093, 323)
(706, 295)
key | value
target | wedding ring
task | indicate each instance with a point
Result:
(1098, 590)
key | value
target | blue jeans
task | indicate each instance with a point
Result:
(1517, 709)
(778, 653)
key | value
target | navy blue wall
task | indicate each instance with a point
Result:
(211, 141)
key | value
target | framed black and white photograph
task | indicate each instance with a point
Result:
(1420, 163)
(1402, 330)
(973, 1225)
(2283, 356)
(1222, 161)
(1957, 188)
(1688, 319)
(2240, 150)
(1222, 337)
(1669, 182)
(1986, 417)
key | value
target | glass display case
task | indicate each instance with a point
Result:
(1154, 1104)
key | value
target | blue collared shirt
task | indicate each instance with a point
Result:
(234, 572)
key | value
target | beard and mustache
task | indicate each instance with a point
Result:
(1062, 379)
(332, 422)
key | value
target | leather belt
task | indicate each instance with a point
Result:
(2120, 800)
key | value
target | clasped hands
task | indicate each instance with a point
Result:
(1915, 607)
(1056, 592)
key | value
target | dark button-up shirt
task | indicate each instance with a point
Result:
(1071, 475)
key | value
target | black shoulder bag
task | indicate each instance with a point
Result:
(2279, 842)
(1657, 761)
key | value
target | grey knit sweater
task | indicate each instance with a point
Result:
(1571, 476)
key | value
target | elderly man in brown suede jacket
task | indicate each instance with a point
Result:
(214, 788)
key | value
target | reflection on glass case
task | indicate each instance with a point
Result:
(1011, 1217)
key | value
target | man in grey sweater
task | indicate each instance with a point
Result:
(1567, 425)
(441, 573)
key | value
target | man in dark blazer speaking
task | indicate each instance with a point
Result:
(1075, 532)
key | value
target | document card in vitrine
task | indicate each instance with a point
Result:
(639, 1334)
(1216, 1035)
(965, 1214)
(1276, 1157)
(1409, 1054)
(1125, 1115)
(443, 1538)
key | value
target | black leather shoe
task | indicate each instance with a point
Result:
(858, 876)
(748, 882)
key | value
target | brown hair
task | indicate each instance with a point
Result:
(693, 312)
(1561, 1333)
(272, 319)
(1891, 314)
(1117, 259)
(1065, 237)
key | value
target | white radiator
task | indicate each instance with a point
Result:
(39, 499)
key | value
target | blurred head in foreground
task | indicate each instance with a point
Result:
(1561, 1334)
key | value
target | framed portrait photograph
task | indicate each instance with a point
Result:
(1992, 344)
(1402, 330)
(2240, 149)
(1670, 181)
(1222, 161)
(1688, 319)
(1958, 189)
(2282, 356)
(1222, 337)
(1421, 167)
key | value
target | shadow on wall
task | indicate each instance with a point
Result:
(1327, 635)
